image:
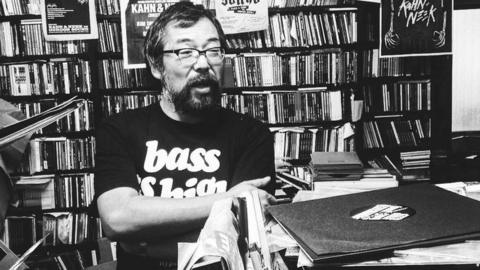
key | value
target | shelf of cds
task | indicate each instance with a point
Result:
(399, 96)
(54, 183)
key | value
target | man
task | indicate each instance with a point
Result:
(159, 169)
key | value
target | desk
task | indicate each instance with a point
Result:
(291, 263)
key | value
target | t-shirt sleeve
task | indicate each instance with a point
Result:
(114, 165)
(257, 156)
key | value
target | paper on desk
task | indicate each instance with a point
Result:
(277, 238)
(469, 189)
(217, 238)
(468, 251)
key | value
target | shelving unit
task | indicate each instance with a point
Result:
(413, 93)
(37, 77)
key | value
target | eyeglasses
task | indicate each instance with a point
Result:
(189, 56)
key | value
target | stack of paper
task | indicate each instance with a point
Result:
(336, 166)
(370, 179)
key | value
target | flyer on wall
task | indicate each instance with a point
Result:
(415, 28)
(69, 20)
(136, 16)
(242, 16)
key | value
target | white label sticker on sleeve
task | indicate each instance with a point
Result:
(382, 212)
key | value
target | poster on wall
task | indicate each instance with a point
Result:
(415, 27)
(242, 16)
(136, 16)
(69, 20)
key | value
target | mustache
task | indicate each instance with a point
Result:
(203, 80)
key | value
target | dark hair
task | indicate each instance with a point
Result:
(186, 14)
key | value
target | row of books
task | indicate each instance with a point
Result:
(65, 228)
(413, 160)
(111, 7)
(112, 75)
(289, 106)
(73, 260)
(296, 3)
(398, 132)
(210, 4)
(52, 77)
(313, 68)
(386, 162)
(116, 104)
(59, 153)
(313, 29)
(55, 191)
(109, 36)
(70, 228)
(373, 66)
(338, 166)
(80, 119)
(26, 38)
(107, 7)
(302, 172)
(19, 7)
(397, 97)
(285, 30)
(300, 142)
(300, 30)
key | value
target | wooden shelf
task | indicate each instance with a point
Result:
(37, 98)
(422, 114)
(68, 134)
(18, 18)
(42, 57)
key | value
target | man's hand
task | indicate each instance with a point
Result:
(245, 186)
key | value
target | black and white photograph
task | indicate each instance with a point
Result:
(240, 134)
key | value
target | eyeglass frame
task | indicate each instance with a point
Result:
(200, 52)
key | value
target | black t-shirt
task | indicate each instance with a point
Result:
(150, 152)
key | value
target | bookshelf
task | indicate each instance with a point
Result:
(406, 111)
(36, 75)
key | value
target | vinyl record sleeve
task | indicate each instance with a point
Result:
(326, 230)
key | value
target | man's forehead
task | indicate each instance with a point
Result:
(179, 32)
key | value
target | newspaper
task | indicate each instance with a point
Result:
(218, 239)
(16, 130)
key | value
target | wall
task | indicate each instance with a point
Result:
(466, 70)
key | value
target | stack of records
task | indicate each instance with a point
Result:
(371, 225)
(335, 166)
(416, 164)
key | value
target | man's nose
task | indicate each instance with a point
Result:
(202, 62)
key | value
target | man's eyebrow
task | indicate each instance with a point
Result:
(182, 40)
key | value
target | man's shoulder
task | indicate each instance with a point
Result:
(130, 119)
(243, 123)
(237, 118)
(130, 116)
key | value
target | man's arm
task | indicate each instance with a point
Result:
(128, 216)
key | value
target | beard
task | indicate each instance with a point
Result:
(187, 100)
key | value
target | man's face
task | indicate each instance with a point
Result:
(194, 87)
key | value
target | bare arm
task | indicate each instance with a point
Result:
(127, 216)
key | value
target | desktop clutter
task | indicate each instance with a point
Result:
(344, 221)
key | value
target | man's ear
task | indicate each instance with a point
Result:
(156, 73)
